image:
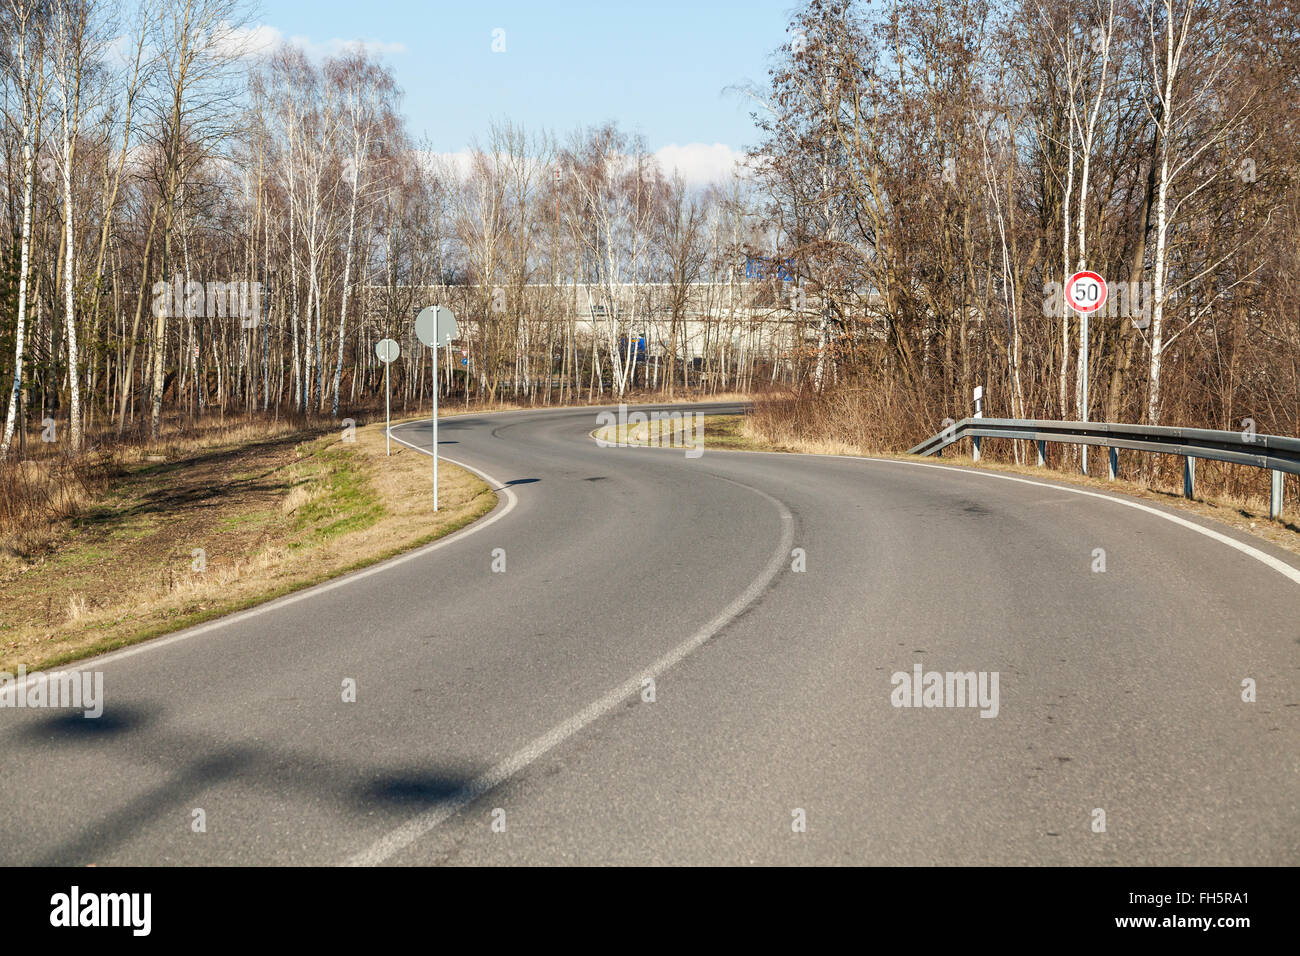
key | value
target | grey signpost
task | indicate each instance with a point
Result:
(435, 326)
(387, 350)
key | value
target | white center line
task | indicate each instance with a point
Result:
(418, 826)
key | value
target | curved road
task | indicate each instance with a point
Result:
(504, 716)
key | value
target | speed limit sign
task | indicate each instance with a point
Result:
(1086, 292)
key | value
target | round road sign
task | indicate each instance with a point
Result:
(387, 350)
(435, 326)
(1086, 292)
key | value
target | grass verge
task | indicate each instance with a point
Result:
(173, 543)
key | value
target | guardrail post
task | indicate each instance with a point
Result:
(1275, 495)
(1042, 453)
(1189, 477)
(1113, 468)
(976, 443)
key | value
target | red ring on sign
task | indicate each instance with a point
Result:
(1087, 306)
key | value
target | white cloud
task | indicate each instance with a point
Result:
(258, 40)
(263, 39)
(460, 163)
(699, 163)
(318, 51)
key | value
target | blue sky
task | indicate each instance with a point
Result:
(660, 69)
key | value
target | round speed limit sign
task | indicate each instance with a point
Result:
(1086, 292)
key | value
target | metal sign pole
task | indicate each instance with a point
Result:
(435, 427)
(1083, 390)
(434, 326)
(1085, 292)
(387, 350)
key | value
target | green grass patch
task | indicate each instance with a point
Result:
(340, 498)
(241, 521)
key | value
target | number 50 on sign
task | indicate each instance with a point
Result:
(1086, 292)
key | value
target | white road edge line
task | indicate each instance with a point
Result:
(1281, 567)
(315, 590)
(413, 829)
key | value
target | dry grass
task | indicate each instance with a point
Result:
(51, 485)
(273, 514)
(661, 433)
(36, 493)
(720, 432)
(871, 419)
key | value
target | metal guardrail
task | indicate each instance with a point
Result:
(1279, 454)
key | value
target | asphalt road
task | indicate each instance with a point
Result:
(503, 716)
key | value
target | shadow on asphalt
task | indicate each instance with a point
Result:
(196, 769)
(71, 727)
